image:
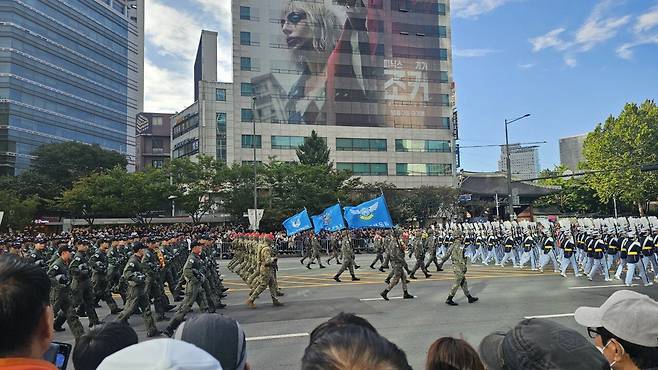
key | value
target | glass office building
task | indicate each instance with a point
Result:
(70, 70)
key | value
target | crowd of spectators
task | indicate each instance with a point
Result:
(624, 332)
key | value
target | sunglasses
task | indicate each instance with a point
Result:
(593, 333)
(294, 17)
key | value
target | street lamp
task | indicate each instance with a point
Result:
(172, 198)
(253, 143)
(509, 166)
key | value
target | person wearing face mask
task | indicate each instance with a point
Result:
(624, 329)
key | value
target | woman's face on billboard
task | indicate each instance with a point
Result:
(297, 29)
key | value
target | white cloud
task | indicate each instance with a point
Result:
(474, 8)
(174, 32)
(570, 61)
(597, 30)
(647, 21)
(221, 12)
(472, 53)
(527, 65)
(549, 40)
(625, 51)
(166, 90)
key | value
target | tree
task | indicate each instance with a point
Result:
(429, 202)
(624, 143)
(194, 183)
(143, 193)
(575, 195)
(94, 196)
(66, 162)
(314, 151)
(19, 212)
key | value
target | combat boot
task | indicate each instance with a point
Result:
(336, 278)
(472, 299)
(155, 333)
(279, 294)
(168, 332)
(323, 266)
(411, 276)
(450, 302)
(381, 269)
(439, 269)
(427, 276)
(387, 281)
(354, 278)
(372, 266)
(308, 266)
(356, 267)
(276, 303)
(250, 303)
(59, 321)
(407, 295)
(384, 294)
(221, 305)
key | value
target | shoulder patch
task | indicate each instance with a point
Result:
(55, 267)
(33, 255)
(77, 259)
(131, 264)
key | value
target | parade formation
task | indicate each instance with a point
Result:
(88, 268)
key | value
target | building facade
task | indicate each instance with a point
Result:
(571, 151)
(153, 140)
(524, 161)
(375, 81)
(70, 70)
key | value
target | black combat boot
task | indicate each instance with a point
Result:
(381, 269)
(472, 299)
(59, 321)
(384, 294)
(450, 302)
(411, 276)
(407, 295)
(387, 281)
(427, 276)
(372, 266)
(354, 278)
(336, 278)
(323, 266)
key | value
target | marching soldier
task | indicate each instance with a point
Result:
(432, 247)
(549, 253)
(348, 258)
(568, 255)
(397, 261)
(266, 262)
(379, 251)
(335, 249)
(38, 255)
(83, 296)
(315, 252)
(194, 292)
(419, 253)
(633, 259)
(599, 260)
(152, 268)
(138, 298)
(457, 252)
(60, 294)
(99, 277)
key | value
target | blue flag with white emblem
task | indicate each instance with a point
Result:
(371, 214)
(297, 223)
(331, 220)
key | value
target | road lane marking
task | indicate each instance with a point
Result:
(281, 336)
(549, 316)
(600, 286)
(380, 299)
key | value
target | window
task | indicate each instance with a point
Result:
(422, 146)
(220, 140)
(443, 54)
(246, 115)
(445, 99)
(423, 169)
(245, 13)
(364, 169)
(248, 141)
(156, 121)
(157, 145)
(361, 145)
(245, 64)
(220, 118)
(220, 94)
(444, 76)
(287, 142)
(186, 148)
(157, 163)
(245, 38)
(445, 122)
(185, 125)
(443, 31)
(246, 89)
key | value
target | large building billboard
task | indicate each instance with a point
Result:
(371, 63)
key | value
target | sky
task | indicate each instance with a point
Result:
(568, 63)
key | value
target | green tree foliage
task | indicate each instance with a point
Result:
(625, 142)
(575, 196)
(94, 196)
(194, 183)
(19, 211)
(144, 193)
(314, 151)
(64, 163)
(429, 202)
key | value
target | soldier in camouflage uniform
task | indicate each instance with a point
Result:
(60, 293)
(348, 257)
(333, 246)
(379, 251)
(138, 298)
(83, 296)
(397, 261)
(457, 252)
(266, 261)
(315, 252)
(432, 246)
(38, 255)
(211, 285)
(418, 246)
(194, 292)
(99, 278)
(152, 267)
(171, 268)
(116, 261)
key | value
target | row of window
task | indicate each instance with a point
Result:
(185, 126)
(401, 169)
(186, 148)
(355, 144)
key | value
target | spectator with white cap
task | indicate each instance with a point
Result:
(161, 354)
(625, 330)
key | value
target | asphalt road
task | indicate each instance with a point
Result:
(277, 336)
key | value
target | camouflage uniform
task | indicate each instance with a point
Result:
(266, 262)
(458, 257)
(60, 298)
(348, 259)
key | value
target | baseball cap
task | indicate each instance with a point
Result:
(161, 354)
(538, 344)
(219, 335)
(137, 246)
(628, 315)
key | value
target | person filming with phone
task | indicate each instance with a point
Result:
(26, 317)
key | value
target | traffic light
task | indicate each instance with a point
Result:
(649, 167)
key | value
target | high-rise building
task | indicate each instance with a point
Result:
(571, 151)
(375, 81)
(524, 161)
(70, 70)
(153, 140)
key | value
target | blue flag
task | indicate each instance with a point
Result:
(297, 223)
(331, 220)
(371, 214)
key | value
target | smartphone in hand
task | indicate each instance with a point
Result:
(58, 354)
